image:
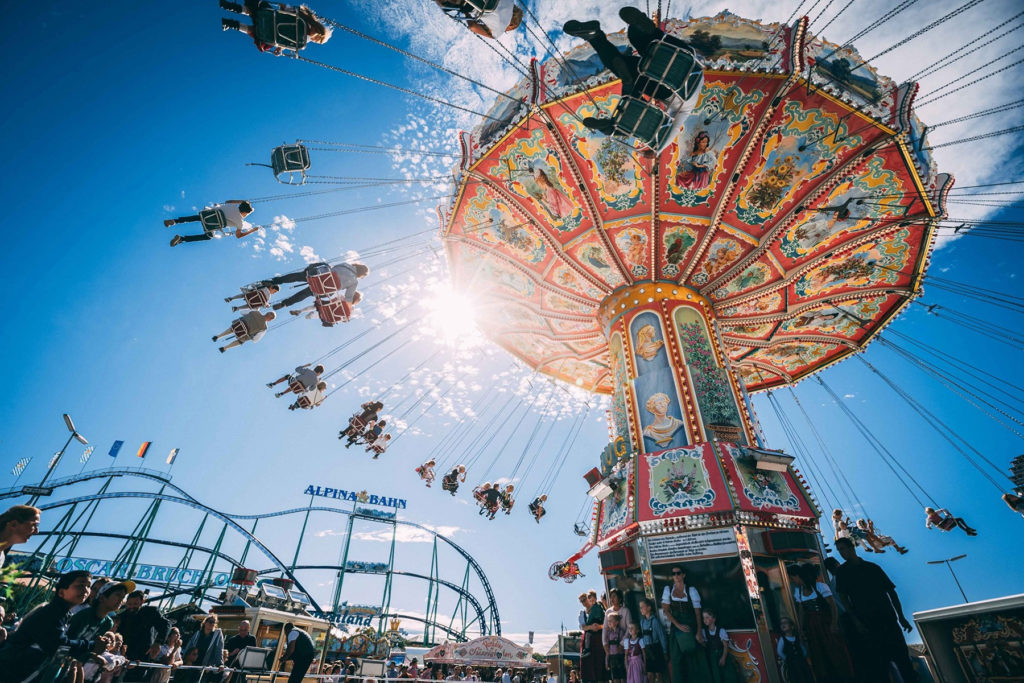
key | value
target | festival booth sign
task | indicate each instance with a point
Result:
(441, 654)
(486, 651)
(680, 482)
(764, 491)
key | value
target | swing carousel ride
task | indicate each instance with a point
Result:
(759, 206)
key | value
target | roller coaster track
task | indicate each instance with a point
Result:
(185, 499)
(448, 584)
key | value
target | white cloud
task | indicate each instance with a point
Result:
(168, 208)
(408, 534)
(849, 395)
(308, 254)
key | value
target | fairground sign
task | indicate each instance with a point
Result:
(355, 496)
(143, 572)
(357, 615)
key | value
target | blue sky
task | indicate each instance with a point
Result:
(120, 118)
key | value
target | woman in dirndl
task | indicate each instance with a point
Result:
(681, 604)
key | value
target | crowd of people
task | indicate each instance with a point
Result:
(847, 627)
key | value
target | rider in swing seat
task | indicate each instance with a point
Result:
(486, 18)
(666, 70)
(537, 507)
(254, 298)
(943, 520)
(250, 327)
(310, 399)
(450, 482)
(302, 380)
(276, 26)
(426, 472)
(379, 445)
(216, 219)
(506, 500)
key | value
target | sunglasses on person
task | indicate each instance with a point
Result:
(677, 573)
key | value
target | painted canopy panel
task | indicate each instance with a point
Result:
(802, 212)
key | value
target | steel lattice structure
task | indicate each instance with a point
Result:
(471, 615)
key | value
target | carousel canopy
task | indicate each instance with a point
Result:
(799, 198)
(487, 651)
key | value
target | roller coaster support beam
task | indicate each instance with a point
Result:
(385, 603)
(248, 542)
(207, 574)
(302, 534)
(431, 597)
(336, 600)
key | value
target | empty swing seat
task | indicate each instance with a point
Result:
(333, 310)
(282, 29)
(289, 161)
(670, 63)
(213, 221)
(322, 280)
(645, 121)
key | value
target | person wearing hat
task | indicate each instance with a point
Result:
(97, 618)
(31, 649)
(143, 629)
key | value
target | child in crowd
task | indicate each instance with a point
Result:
(636, 669)
(615, 658)
(716, 643)
(793, 654)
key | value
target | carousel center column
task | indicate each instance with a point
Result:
(672, 385)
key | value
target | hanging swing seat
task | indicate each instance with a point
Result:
(296, 386)
(290, 163)
(213, 221)
(305, 402)
(256, 297)
(449, 484)
(240, 330)
(467, 10)
(669, 64)
(643, 120)
(279, 28)
(333, 310)
(322, 280)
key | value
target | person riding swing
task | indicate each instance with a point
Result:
(666, 71)
(450, 482)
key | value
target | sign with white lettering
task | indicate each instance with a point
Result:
(355, 496)
(150, 573)
(691, 544)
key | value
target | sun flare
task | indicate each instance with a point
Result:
(452, 316)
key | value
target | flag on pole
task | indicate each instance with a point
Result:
(143, 448)
(116, 448)
(86, 454)
(54, 459)
(172, 455)
(19, 466)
